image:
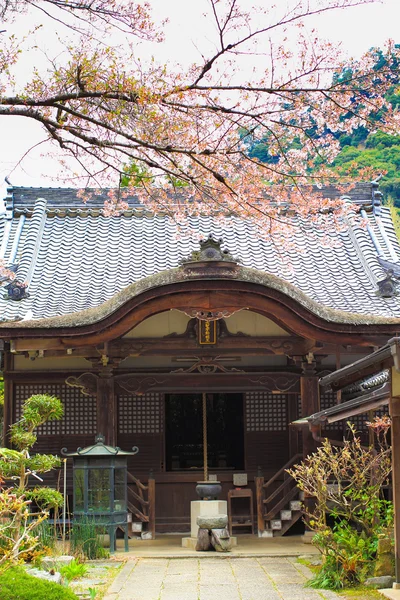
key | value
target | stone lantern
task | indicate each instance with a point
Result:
(100, 486)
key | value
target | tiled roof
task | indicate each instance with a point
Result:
(73, 258)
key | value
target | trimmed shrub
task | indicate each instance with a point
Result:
(16, 584)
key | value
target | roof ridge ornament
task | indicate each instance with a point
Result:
(16, 289)
(387, 288)
(211, 261)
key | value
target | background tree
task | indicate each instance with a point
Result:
(366, 149)
(104, 108)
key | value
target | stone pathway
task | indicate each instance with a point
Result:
(277, 578)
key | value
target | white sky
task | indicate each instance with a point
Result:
(356, 30)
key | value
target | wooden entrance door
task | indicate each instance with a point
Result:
(184, 431)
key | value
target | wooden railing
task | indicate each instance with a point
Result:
(142, 501)
(269, 502)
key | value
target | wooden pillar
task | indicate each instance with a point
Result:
(106, 406)
(395, 416)
(259, 481)
(8, 398)
(152, 506)
(395, 435)
(310, 404)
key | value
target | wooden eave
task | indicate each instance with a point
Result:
(377, 361)
(227, 296)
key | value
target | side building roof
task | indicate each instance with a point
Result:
(73, 258)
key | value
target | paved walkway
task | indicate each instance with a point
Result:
(276, 578)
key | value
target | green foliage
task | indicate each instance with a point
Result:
(345, 483)
(135, 175)
(395, 213)
(16, 584)
(19, 465)
(348, 557)
(36, 410)
(45, 535)
(44, 497)
(363, 148)
(75, 570)
(85, 539)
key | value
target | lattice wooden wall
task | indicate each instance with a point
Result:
(79, 410)
(328, 399)
(140, 422)
(266, 411)
(140, 414)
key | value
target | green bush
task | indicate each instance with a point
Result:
(16, 584)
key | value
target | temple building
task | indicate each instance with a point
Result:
(137, 328)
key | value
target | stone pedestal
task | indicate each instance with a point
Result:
(205, 508)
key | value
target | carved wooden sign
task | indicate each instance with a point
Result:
(207, 332)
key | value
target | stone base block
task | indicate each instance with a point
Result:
(267, 533)
(190, 542)
(307, 537)
(205, 508)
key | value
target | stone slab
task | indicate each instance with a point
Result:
(205, 508)
(190, 542)
(212, 521)
(56, 562)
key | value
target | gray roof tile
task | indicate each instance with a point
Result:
(77, 259)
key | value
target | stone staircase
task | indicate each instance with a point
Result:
(279, 506)
(283, 521)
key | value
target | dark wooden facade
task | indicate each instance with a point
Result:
(115, 383)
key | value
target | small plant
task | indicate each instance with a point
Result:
(75, 570)
(85, 539)
(92, 593)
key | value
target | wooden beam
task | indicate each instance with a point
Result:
(165, 346)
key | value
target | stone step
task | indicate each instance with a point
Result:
(295, 505)
(286, 515)
(276, 524)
